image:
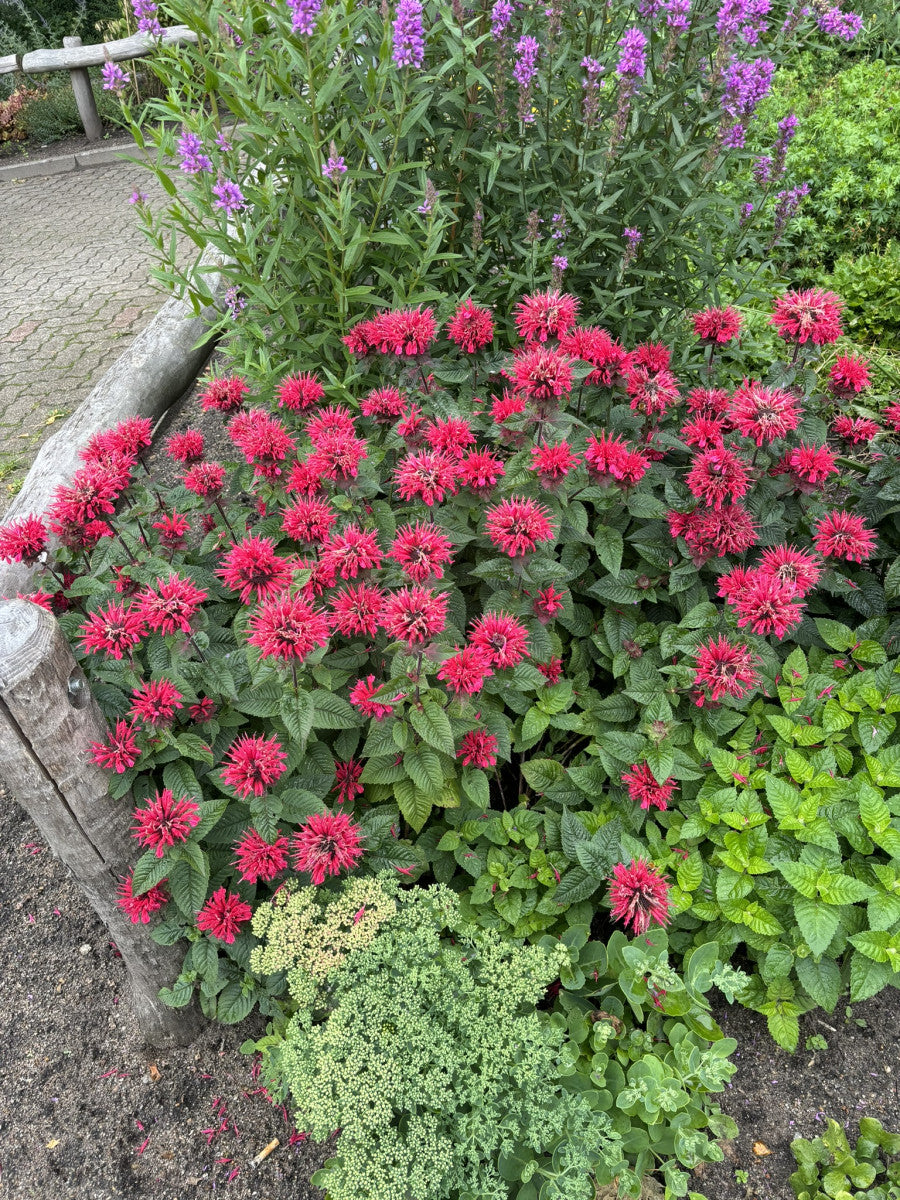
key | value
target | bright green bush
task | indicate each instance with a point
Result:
(871, 285)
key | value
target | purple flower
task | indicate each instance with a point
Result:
(138, 197)
(743, 19)
(762, 170)
(734, 138)
(525, 69)
(230, 197)
(334, 166)
(840, 24)
(431, 198)
(590, 106)
(501, 15)
(787, 130)
(234, 301)
(746, 84)
(303, 15)
(786, 205)
(647, 9)
(560, 229)
(114, 78)
(192, 161)
(222, 142)
(678, 14)
(560, 262)
(746, 210)
(147, 21)
(409, 35)
(632, 63)
(632, 236)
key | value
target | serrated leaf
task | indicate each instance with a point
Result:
(413, 804)
(690, 873)
(181, 780)
(432, 724)
(477, 787)
(534, 723)
(844, 889)
(148, 872)
(802, 877)
(818, 923)
(423, 766)
(867, 977)
(232, 1004)
(572, 831)
(509, 905)
(785, 1029)
(333, 712)
(576, 885)
(188, 886)
(297, 713)
(541, 774)
(609, 547)
(821, 979)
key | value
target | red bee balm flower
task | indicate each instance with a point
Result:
(326, 845)
(703, 432)
(357, 609)
(154, 702)
(553, 462)
(809, 464)
(308, 520)
(480, 470)
(552, 670)
(334, 419)
(346, 780)
(466, 670)
(252, 568)
(205, 479)
(542, 374)
(257, 859)
(856, 429)
(139, 908)
(639, 895)
(642, 786)
(224, 394)
(892, 415)
(843, 535)
(255, 763)
(768, 606)
(23, 541)
(222, 915)
(718, 475)
(516, 525)
(546, 314)
(172, 606)
(186, 447)
(365, 695)
(547, 604)
(502, 638)
(813, 315)
(430, 475)
(414, 614)
(119, 752)
(610, 460)
(421, 550)
(115, 630)
(848, 376)
(717, 324)
(471, 327)
(384, 404)
(165, 821)
(762, 413)
(173, 531)
(794, 567)
(724, 670)
(478, 749)
(288, 628)
(453, 435)
(652, 392)
(351, 551)
(297, 392)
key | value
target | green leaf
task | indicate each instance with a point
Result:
(233, 1004)
(572, 831)
(333, 712)
(192, 746)
(181, 780)
(188, 883)
(784, 1028)
(576, 885)
(432, 724)
(835, 635)
(148, 872)
(476, 786)
(844, 889)
(542, 774)
(821, 979)
(609, 547)
(802, 877)
(509, 905)
(867, 977)
(534, 723)
(297, 714)
(661, 761)
(818, 923)
(413, 804)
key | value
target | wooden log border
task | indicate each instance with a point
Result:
(37, 62)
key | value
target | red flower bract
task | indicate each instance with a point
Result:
(639, 895)
(553, 462)
(326, 845)
(186, 447)
(763, 413)
(767, 605)
(165, 821)
(115, 630)
(643, 788)
(140, 908)
(502, 639)
(844, 535)
(718, 475)
(856, 429)
(809, 464)
(546, 314)
(357, 609)
(172, 606)
(223, 914)
(813, 315)
(717, 325)
(346, 780)
(224, 394)
(480, 470)
(253, 569)
(794, 567)
(384, 404)
(154, 702)
(119, 752)
(258, 859)
(466, 670)
(289, 628)
(430, 475)
(253, 764)
(542, 374)
(23, 541)
(299, 391)
(453, 435)
(351, 551)
(849, 375)
(516, 525)
(724, 670)
(609, 460)
(478, 749)
(414, 614)
(205, 479)
(471, 327)
(308, 520)
(421, 550)
(547, 604)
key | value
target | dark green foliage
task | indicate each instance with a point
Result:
(829, 1170)
(40, 24)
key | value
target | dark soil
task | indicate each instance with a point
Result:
(87, 1114)
(112, 139)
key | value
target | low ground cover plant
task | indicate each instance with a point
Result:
(827, 1167)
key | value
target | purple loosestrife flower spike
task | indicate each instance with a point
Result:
(632, 64)
(840, 24)
(409, 35)
(678, 15)
(786, 205)
(742, 19)
(114, 78)
(230, 197)
(334, 166)
(138, 197)
(145, 14)
(746, 84)
(501, 15)
(192, 161)
(647, 9)
(787, 130)
(560, 262)
(222, 142)
(524, 70)
(762, 170)
(303, 15)
(234, 301)
(431, 198)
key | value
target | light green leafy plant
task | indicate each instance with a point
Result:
(829, 1170)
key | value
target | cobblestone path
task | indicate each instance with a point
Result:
(74, 291)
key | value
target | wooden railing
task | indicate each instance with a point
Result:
(75, 58)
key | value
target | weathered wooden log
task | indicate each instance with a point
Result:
(84, 96)
(70, 57)
(48, 719)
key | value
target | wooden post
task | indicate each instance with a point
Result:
(48, 718)
(84, 97)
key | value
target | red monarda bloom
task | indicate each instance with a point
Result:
(429, 475)
(263, 441)
(346, 781)
(723, 670)
(609, 459)
(154, 702)
(165, 821)
(501, 637)
(553, 462)
(253, 764)
(23, 541)
(515, 526)
(710, 533)
(172, 606)
(848, 376)
(414, 614)
(139, 908)
(734, 581)
(480, 470)
(453, 435)
(718, 475)
(224, 394)
(384, 404)
(304, 477)
(809, 464)
(708, 402)
(119, 752)
(333, 419)
(365, 695)
(115, 630)
(542, 374)
(593, 345)
(478, 749)
(421, 550)
(258, 859)
(326, 845)
(357, 610)
(471, 327)
(643, 788)
(42, 599)
(403, 331)
(288, 628)
(892, 415)
(205, 479)
(768, 606)
(841, 534)
(703, 432)
(92, 492)
(410, 428)
(351, 551)
(639, 895)
(552, 670)
(466, 670)
(253, 569)
(547, 603)
(309, 520)
(546, 314)
(812, 315)
(855, 429)
(652, 392)
(793, 567)
(717, 325)
(201, 712)
(762, 413)
(186, 447)
(510, 404)
(299, 391)
(321, 576)
(337, 456)
(223, 914)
